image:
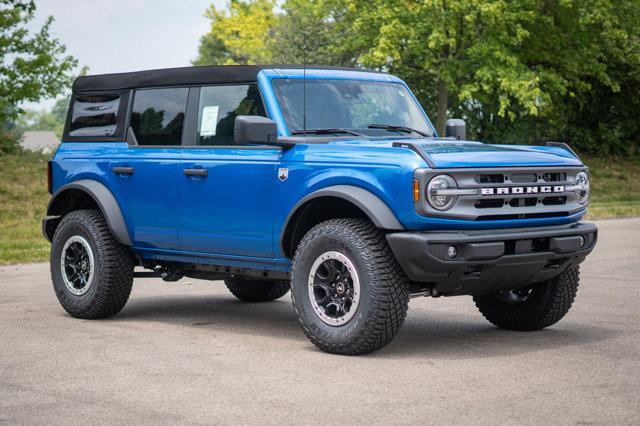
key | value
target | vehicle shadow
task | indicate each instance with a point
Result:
(216, 312)
(464, 336)
(435, 335)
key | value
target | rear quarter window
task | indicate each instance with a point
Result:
(97, 116)
(94, 115)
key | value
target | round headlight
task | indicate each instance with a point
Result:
(441, 202)
(582, 180)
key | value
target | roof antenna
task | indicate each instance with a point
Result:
(304, 85)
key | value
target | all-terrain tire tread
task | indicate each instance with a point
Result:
(116, 264)
(389, 286)
(555, 300)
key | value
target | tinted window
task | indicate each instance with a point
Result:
(94, 115)
(157, 117)
(219, 107)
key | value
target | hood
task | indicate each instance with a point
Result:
(454, 154)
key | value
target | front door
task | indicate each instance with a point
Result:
(226, 190)
(145, 175)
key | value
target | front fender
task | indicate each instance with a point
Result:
(379, 213)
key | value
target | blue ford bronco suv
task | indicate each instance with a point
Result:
(328, 182)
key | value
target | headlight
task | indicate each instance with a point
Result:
(441, 202)
(582, 182)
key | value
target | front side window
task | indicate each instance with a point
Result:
(157, 117)
(348, 104)
(94, 115)
(219, 107)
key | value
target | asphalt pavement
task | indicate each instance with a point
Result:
(188, 352)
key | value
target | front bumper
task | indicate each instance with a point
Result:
(491, 260)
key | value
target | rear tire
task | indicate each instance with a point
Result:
(543, 304)
(256, 290)
(349, 293)
(92, 273)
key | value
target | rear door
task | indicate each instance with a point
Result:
(226, 190)
(145, 170)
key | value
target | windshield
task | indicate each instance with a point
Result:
(364, 107)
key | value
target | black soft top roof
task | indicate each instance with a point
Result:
(219, 74)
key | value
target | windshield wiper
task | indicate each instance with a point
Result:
(325, 132)
(398, 129)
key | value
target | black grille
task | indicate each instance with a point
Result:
(489, 204)
(554, 201)
(554, 177)
(493, 178)
(523, 202)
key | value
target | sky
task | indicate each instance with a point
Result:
(119, 35)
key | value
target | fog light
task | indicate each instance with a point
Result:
(582, 241)
(452, 251)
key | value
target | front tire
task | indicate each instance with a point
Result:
(349, 293)
(256, 290)
(532, 308)
(92, 273)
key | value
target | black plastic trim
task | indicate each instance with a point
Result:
(413, 147)
(189, 130)
(375, 209)
(491, 260)
(104, 199)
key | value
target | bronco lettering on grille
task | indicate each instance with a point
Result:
(517, 190)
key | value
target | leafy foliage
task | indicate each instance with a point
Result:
(32, 66)
(239, 34)
(518, 71)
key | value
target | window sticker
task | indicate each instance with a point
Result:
(209, 120)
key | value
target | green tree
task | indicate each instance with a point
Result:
(327, 33)
(238, 35)
(32, 66)
(493, 61)
(518, 71)
(251, 31)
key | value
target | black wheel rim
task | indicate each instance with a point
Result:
(76, 265)
(334, 288)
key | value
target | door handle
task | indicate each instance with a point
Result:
(123, 170)
(195, 172)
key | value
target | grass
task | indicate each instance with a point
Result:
(23, 201)
(615, 192)
(615, 187)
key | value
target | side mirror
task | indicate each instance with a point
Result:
(253, 129)
(456, 128)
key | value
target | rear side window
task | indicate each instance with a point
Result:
(219, 107)
(94, 115)
(157, 116)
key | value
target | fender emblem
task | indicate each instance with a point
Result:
(283, 174)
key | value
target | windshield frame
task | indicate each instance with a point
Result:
(275, 109)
